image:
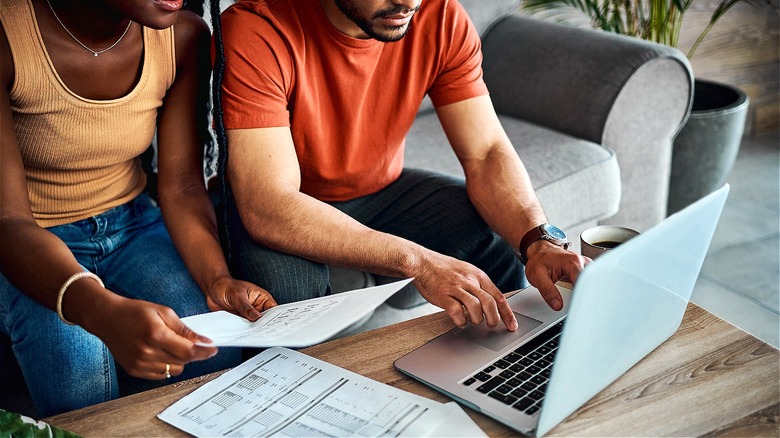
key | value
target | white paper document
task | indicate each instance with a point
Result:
(282, 392)
(298, 324)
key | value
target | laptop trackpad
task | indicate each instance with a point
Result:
(499, 337)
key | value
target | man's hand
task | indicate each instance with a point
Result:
(239, 297)
(144, 337)
(463, 291)
(549, 263)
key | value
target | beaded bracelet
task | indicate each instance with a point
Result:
(68, 282)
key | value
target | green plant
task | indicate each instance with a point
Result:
(653, 20)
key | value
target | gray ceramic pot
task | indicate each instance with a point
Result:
(706, 147)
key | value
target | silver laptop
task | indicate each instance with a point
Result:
(623, 306)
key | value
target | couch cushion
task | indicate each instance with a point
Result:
(577, 181)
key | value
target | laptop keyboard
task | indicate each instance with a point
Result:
(519, 379)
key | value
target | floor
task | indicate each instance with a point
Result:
(741, 275)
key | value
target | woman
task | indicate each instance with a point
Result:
(90, 275)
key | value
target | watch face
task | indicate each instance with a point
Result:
(554, 232)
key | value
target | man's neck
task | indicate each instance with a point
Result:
(341, 21)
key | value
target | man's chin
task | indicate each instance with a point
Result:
(389, 35)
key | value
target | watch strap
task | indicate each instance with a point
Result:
(534, 234)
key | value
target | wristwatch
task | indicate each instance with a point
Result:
(548, 232)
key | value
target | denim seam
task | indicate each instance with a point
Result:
(107, 374)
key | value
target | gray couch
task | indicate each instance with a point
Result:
(592, 115)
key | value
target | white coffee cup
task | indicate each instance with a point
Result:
(597, 240)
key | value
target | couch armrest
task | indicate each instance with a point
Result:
(629, 95)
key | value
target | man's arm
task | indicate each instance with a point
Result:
(499, 187)
(265, 177)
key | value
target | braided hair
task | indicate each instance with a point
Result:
(219, 126)
(197, 6)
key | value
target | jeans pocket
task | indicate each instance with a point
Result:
(78, 237)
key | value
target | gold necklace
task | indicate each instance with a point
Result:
(94, 52)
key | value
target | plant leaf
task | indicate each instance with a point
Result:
(722, 8)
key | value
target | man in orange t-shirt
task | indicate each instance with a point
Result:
(318, 96)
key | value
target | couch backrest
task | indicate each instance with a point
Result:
(485, 12)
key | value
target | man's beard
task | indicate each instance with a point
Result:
(366, 25)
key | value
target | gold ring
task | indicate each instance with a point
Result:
(167, 370)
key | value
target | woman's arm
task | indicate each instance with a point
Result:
(184, 200)
(34, 260)
(141, 335)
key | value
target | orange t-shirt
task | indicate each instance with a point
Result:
(348, 102)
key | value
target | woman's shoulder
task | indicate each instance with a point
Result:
(190, 22)
(190, 34)
(189, 27)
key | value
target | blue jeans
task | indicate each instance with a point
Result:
(65, 366)
(430, 209)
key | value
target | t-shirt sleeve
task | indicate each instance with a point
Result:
(460, 73)
(257, 76)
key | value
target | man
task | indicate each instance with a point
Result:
(318, 96)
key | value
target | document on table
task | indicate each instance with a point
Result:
(298, 324)
(281, 392)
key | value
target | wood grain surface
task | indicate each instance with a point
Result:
(710, 378)
(742, 49)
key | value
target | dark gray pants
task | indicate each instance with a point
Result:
(430, 209)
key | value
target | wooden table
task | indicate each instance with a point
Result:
(710, 378)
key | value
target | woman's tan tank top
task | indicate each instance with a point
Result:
(80, 155)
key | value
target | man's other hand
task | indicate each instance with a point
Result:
(463, 291)
(547, 264)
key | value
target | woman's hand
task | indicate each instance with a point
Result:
(239, 297)
(148, 339)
